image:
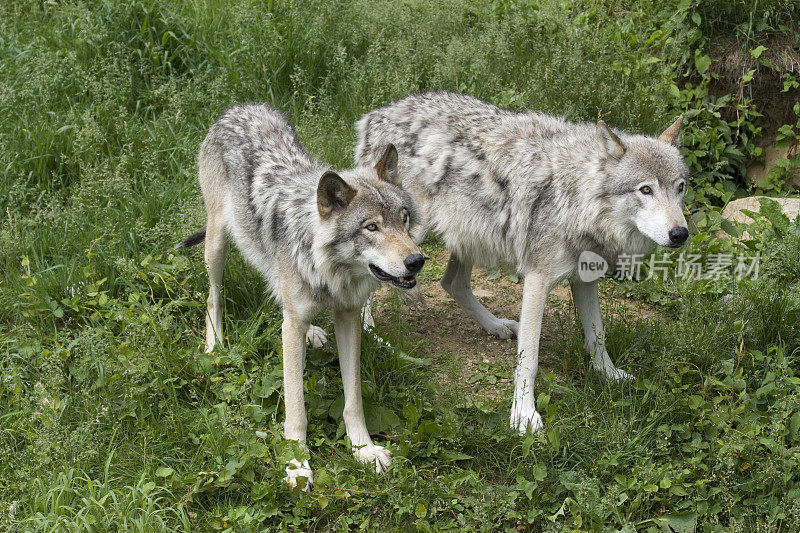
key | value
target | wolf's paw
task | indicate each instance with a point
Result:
(367, 320)
(504, 328)
(315, 336)
(378, 456)
(614, 374)
(526, 422)
(211, 344)
(296, 470)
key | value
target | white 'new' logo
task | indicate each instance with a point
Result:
(591, 266)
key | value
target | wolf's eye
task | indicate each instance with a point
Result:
(405, 217)
(646, 190)
(371, 227)
(681, 187)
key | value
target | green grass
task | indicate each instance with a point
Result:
(112, 418)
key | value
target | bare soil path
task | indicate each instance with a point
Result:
(462, 352)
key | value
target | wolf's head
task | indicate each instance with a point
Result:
(373, 220)
(646, 182)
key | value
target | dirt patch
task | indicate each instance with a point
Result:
(464, 355)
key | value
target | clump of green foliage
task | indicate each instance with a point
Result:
(112, 418)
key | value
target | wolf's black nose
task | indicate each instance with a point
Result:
(678, 235)
(414, 262)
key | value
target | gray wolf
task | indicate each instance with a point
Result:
(321, 240)
(531, 192)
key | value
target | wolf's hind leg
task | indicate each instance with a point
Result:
(367, 320)
(216, 243)
(315, 336)
(457, 283)
(587, 303)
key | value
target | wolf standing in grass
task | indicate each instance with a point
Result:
(321, 240)
(531, 192)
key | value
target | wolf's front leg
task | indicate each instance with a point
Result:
(348, 339)
(294, 357)
(587, 302)
(524, 417)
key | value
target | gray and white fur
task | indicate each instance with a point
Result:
(321, 240)
(531, 192)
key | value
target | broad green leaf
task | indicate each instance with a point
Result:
(379, 418)
(164, 471)
(773, 212)
(554, 437)
(539, 472)
(678, 523)
(757, 51)
(728, 227)
(794, 424)
(451, 455)
(322, 501)
(702, 62)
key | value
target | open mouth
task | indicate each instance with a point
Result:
(403, 283)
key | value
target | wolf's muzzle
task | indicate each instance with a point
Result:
(414, 263)
(678, 235)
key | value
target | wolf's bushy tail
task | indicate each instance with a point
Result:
(195, 238)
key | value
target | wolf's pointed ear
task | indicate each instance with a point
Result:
(609, 142)
(387, 166)
(672, 135)
(333, 194)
